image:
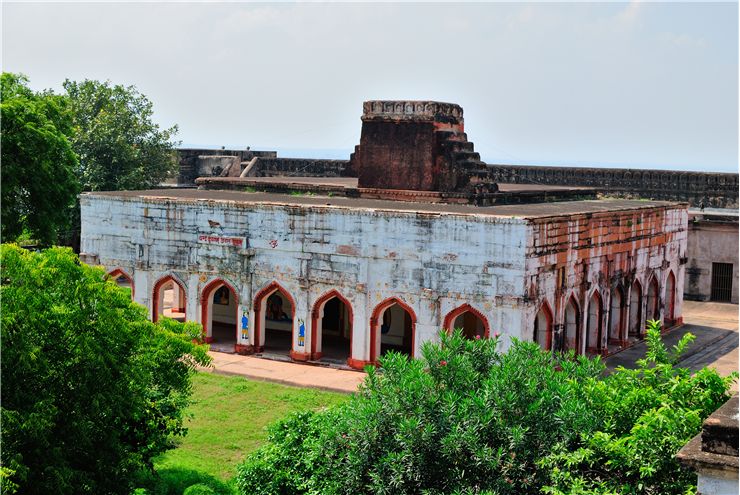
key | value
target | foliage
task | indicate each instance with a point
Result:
(38, 164)
(97, 389)
(119, 145)
(649, 414)
(468, 419)
(463, 418)
(199, 489)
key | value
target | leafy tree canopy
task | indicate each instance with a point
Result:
(467, 419)
(92, 390)
(38, 163)
(119, 145)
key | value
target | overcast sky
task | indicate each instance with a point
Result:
(594, 84)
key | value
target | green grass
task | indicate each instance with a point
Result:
(227, 421)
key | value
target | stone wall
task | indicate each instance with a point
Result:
(191, 166)
(299, 167)
(607, 258)
(507, 269)
(717, 190)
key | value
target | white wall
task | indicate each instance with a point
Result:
(433, 262)
(502, 266)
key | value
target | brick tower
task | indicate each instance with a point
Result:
(416, 145)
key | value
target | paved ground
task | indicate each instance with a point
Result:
(300, 375)
(715, 326)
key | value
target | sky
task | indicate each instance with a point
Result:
(639, 84)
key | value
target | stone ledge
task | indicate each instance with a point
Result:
(715, 450)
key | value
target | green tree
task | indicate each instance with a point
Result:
(92, 390)
(38, 163)
(119, 145)
(467, 419)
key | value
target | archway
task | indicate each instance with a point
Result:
(331, 328)
(274, 312)
(219, 315)
(670, 300)
(653, 308)
(615, 316)
(543, 327)
(593, 323)
(636, 320)
(123, 280)
(392, 327)
(472, 323)
(571, 327)
(169, 299)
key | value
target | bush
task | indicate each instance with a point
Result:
(92, 389)
(649, 414)
(199, 489)
(467, 419)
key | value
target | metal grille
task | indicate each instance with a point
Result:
(721, 282)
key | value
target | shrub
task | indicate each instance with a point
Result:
(467, 419)
(92, 390)
(648, 414)
(199, 489)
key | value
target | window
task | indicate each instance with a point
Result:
(721, 282)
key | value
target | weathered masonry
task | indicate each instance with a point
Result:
(346, 279)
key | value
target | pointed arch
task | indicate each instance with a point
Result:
(670, 299)
(259, 316)
(652, 309)
(449, 320)
(119, 273)
(594, 318)
(542, 333)
(636, 320)
(616, 317)
(317, 315)
(375, 327)
(206, 307)
(179, 305)
(572, 325)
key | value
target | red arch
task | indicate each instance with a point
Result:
(599, 322)
(119, 272)
(262, 294)
(465, 308)
(670, 300)
(387, 303)
(654, 312)
(621, 327)
(315, 319)
(205, 294)
(545, 306)
(155, 294)
(640, 310)
(579, 326)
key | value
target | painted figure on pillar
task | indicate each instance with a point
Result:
(301, 333)
(245, 326)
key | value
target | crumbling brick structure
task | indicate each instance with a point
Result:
(416, 145)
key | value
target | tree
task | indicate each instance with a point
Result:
(118, 144)
(92, 390)
(38, 163)
(467, 419)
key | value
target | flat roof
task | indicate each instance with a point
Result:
(532, 210)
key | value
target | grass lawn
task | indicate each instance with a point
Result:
(227, 421)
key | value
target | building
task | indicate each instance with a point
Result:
(343, 270)
(712, 250)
